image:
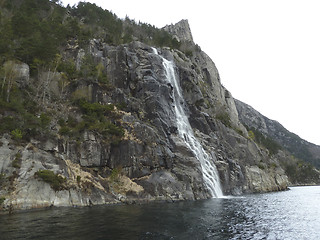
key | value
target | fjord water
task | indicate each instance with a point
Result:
(292, 214)
(209, 171)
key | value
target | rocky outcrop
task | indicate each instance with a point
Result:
(298, 147)
(150, 161)
(181, 31)
(23, 74)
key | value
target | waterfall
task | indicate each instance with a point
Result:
(209, 170)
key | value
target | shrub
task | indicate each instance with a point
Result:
(189, 53)
(16, 134)
(224, 118)
(78, 179)
(251, 135)
(95, 109)
(301, 172)
(121, 106)
(239, 131)
(115, 174)
(261, 166)
(56, 181)
(80, 94)
(44, 120)
(272, 146)
(68, 67)
(273, 165)
(107, 128)
(101, 75)
(2, 178)
(2, 199)
(65, 130)
(16, 163)
(96, 118)
(61, 122)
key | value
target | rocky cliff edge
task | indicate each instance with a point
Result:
(138, 155)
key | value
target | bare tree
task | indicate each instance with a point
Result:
(45, 77)
(9, 77)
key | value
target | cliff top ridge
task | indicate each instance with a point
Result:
(181, 30)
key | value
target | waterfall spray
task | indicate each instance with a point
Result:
(209, 170)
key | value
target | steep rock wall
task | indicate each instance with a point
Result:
(297, 146)
(150, 162)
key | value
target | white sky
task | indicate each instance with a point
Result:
(267, 51)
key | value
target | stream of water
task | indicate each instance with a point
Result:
(209, 171)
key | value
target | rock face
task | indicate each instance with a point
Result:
(151, 162)
(23, 72)
(298, 147)
(181, 31)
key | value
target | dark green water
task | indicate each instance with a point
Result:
(293, 214)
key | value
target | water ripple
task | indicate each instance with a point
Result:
(288, 215)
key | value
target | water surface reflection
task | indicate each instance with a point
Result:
(283, 215)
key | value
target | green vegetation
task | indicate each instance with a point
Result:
(2, 199)
(91, 70)
(301, 172)
(299, 148)
(16, 134)
(101, 119)
(189, 53)
(56, 181)
(95, 110)
(16, 163)
(2, 179)
(239, 131)
(298, 171)
(273, 165)
(45, 120)
(148, 34)
(300, 151)
(251, 135)
(115, 174)
(37, 32)
(2, 176)
(272, 146)
(33, 31)
(78, 179)
(21, 116)
(22, 124)
(261, 166)
(224, 118)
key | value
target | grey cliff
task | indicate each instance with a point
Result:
(153, 163)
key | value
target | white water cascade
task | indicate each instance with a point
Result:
(209, 170)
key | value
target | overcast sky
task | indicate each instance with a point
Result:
(267, 51)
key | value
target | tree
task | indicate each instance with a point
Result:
(46, 74)
(10, 74)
